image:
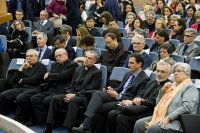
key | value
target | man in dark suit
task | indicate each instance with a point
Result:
(90, 22)
(123, 119)
(45, 26)
(66, 32)
(104, 101)
(28, 6)
(43, 50)
(116, 53)
(57, 79)
(27, 78)
(86, 78)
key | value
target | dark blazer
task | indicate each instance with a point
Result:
(92, 81)
(60, 76)
(136, 87)
(31, 76)
(12, 6)
(47, 54)
(94, 32)
(147, 60)
(114, 58)
(71, 52)
(72, 41)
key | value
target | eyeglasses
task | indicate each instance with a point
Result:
(188, 36)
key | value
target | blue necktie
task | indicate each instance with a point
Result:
(185, 49)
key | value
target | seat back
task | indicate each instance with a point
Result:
(154, 56)
(28, 30)
(123, 31)
(175, 42)
(118, 73)
(194, 64)
(104, 74)
(3, 40)
(100, 30)
(120, 24)
(126, 42)
(29, 23)
(99, 41)
(79, 52)
(178, 58)
(149, 42)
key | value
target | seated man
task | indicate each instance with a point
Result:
(174, 99)
(90, 22)
(123, 119)
(28, 79)
(57, 79)
(86, 78)
(138, 44)
(104, 101)
(188, 48)
(116, 53)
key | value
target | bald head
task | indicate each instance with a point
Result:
(61, 55)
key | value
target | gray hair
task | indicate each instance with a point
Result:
(43, 35)
(140, 37)
(92, 52)
(175, 16)
(162, 63)
(192, 31)
(65, 28)
(184, 66)
(32, 50)
(151, 14)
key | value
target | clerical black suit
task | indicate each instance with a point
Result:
(31, 79)
(101, 103)
(59, 78)
(83, 81)
(123, 119)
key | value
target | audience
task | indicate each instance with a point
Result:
(90, 22)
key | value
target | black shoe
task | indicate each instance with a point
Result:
(81, 129)
(46, 131)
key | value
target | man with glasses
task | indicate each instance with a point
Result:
(27, 80)
(138, 44)
(188, 49)
(122, 119)
(86, 78)
(56, 80)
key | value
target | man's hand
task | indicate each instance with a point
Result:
(20, 81)
(137, 101)
(46, 76)
(68, 97)
(126, 102)
(25, 65)
(112, 93)
(164, 122)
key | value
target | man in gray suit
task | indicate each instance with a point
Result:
(43, 51)
(188, 49)
(45, 26)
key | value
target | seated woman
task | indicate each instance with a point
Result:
(80, 33)
(18, 39)
(174, 99)
(164, 52)
(87, 43)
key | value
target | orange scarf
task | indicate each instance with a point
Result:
(161, 108)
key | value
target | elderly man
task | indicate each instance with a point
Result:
(116, 53)
(28, 79)
(86, 78)
(43, 50)
(188, 49)
(57, 79)
(174, 99)
(137, 47)
(123, 119)
(45, 26)
(150, 21)
(104, 101)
